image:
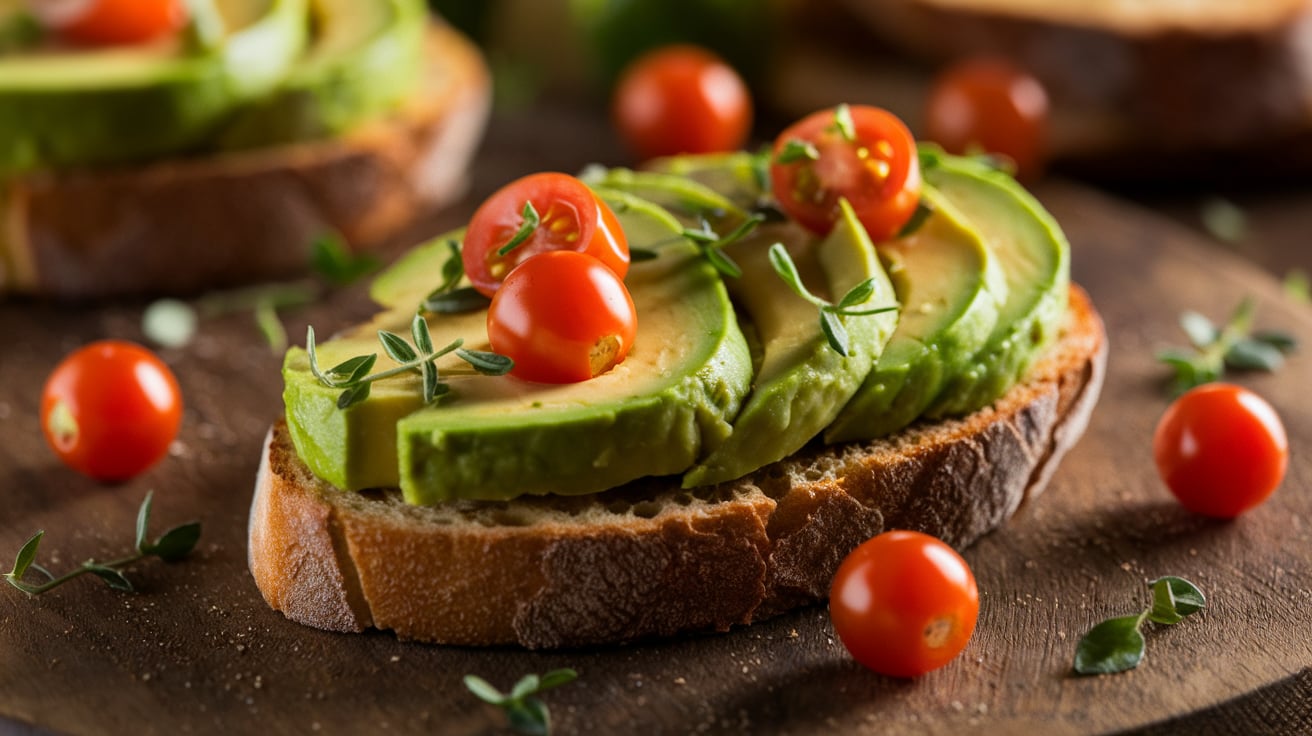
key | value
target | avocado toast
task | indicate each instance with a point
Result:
(506, 548)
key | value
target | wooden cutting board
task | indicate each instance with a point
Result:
(196, 649)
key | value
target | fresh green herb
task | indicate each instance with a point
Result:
(531, 222)
(760, 163)
(1117, 644)
(449, 297)
(711, 244)
(172, 546)
(830, 313)
(271, 327)
(918, 218)
(843, 124)
(638, 255)
(1224, 220)
(1215, 349)
(353, 376)
(796, 149)
(332, 260)
(524, 709)
(1297, 286)
(169, 323)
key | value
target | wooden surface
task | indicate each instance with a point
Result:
(197, 651)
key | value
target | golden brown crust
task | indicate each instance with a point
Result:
(185, 225)
(649, 560)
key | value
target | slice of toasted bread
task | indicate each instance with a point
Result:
(189, 224)
(647, 559)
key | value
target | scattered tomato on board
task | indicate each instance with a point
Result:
(904, 603)
(535, 214)
(863, 154)
(111, 22)
(1221, 450)
(563, 317)
(681, 99)
(990, 105)
(111, 409)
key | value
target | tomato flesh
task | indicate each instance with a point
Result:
(877, 170)
(115, 22)
(1221, 450)
(990, 105)
(904, 603)
(562, 317)
(111, 409)
(571, 218)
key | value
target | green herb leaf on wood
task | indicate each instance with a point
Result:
(1118, 644)
(525, 711)
(335, 263)
(1216, 348)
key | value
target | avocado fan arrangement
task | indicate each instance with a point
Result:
(726, 374)
(233, 142)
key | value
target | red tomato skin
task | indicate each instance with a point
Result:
(808, 191)
(125, 22)
(126, 405)
(1221, 450)
(553, 310)
(681, 99)
(904, 603)
(572, 218)
(990, 104)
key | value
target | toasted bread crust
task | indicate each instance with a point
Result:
(649, 560)
(189, 224)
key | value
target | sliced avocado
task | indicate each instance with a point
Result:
(802, 381)
(686, 198)
(667, 404)
(84, 107)
(744, 178)
(1034, 256)
(363, 59)
(951, 288)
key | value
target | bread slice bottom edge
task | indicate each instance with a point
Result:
(649, 560)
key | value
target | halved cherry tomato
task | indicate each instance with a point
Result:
(562, 317)
(1221, 450)
(111, 409)
(681, 99)
(990, 105)
(873, 164)
(904, 603)
(571, 218)
(111, 22)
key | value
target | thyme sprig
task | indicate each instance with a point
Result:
(711, 245)
(1117, 644)
(524, 709)
(1232, 345)
(531, 222)
(355, 380)
(449, 297)
(833, 328)
(172, 546)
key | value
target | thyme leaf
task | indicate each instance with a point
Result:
(711, 244)
(848, 305)
(526, 228)
(524, 710)
(1215, 348)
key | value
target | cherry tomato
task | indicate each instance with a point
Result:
(873, 164)
(562, 317)
(990, 105)
(904, 603)
(1221, 449)
(570, 216)
(111, 22)
(681, 99)
(111, 409)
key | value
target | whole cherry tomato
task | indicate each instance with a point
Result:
(863, 154)
(570, 217)
(111, 409)
(1221, 450)
(904, 603)
(111, 22)
(681, 99)
(562, 317)
(990, 105)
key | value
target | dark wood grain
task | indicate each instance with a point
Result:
(196, 650)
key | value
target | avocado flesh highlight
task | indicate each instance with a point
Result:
(802, 382)
(124, 104)
(498, 437)
(951, 289)
(1034, 256)
(363, 60)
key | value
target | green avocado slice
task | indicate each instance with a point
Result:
(491, 438)
(124, 104)
(951, 288)
(802, 382)
(1034, 256)
(363, 59)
